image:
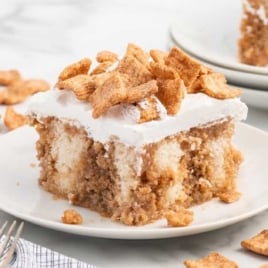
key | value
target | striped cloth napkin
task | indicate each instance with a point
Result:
(30, 255)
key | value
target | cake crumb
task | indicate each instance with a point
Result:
(258, 243)
(71, 216)
(214, 259)
(180, 218)
(229, 197)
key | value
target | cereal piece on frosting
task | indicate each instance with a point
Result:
(136, 72)
(158, 55)
(106, 55)
(138, 53)
(13, 120)
(102, 67)
(258, 243)
(149, 109)
(171, 93)
(82, 85)
(213, 260)
(188, 68)
(111, 92)
(214, 85)
(80, 67)
(71, 216)
(9, 77)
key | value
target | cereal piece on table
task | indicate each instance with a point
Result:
(19, 91)
(106, 55)
(188, 68)
(214, 85)
(80, 67)
(148, 109)
(102, 67)
(213, 260)
(229, 197)
(158, 55)
(171, 94)
(13, 120)
(82, 85)
(180, 218)
(258, 243)
(9, 77)
(71, 216)
(111, 92)
(136, 72)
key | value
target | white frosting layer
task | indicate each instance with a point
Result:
(120, 121)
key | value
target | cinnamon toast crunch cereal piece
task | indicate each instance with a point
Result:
(158, 55)
(136, 72)
(214, 85)
(13, 120)
(213, 260)
(9, 77)
(171, 94)
(22, 89)
(180, 218)
(140, 92)
(258, 243)
(138, 53)
(111, 92)
(80, 67)
(188, 68)
(106, 55)
(71, 216)
(148, 109)
(102, 67)
(82, 85)
(162, 71)
(229, 197)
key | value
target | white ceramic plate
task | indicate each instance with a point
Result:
(209, 29)
(256, 98)
(21, 196)
(233, 76)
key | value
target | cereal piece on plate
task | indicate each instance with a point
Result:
(214, 85)
(71, 216)
(171, 94)
(148, 109)
(136, 72)
(80, 67)
(213, 260)
(229, 197)
(158, 55)
(182, 217)
(257, 243)
(82, 85)
(13, 120)
(9, 77)
(105, 55)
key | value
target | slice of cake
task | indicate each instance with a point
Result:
(140, 138)
(253, 43)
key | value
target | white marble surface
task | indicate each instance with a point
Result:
(39, 38)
